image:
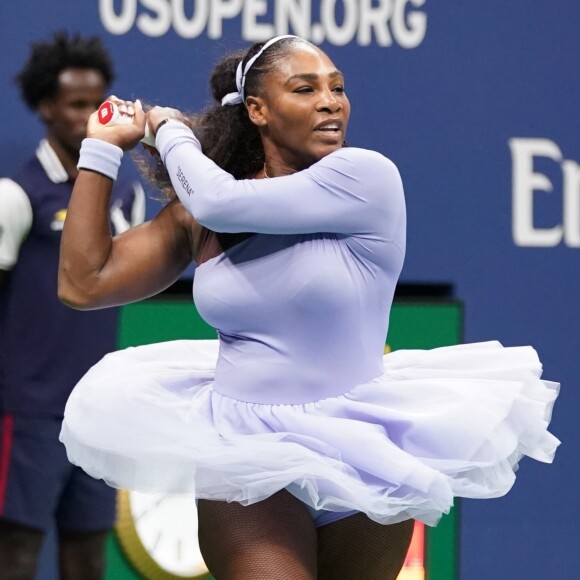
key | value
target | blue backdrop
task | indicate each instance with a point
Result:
(477, 103)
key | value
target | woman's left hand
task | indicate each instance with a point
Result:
(125, 135)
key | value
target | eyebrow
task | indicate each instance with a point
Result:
(312, 76)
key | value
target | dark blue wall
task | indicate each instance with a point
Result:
(443, 88)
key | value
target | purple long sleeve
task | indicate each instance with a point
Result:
(351, 191)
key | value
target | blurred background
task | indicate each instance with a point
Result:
(478, 105)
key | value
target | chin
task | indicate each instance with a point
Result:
(315, 154)
(328, 149)
(75, 145)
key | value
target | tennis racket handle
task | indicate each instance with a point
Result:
(109, 114)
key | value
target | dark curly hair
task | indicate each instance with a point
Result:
(226, 134)
(38, 79)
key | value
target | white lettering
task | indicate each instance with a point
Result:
(410, 30)
(524, 182)
(251, 29)
(159, 24)
(339, 35)
(194, 26)
(571, 172)
(340, 22)
(375, 18)
(220, 10)
(293, 16)
(117, 23)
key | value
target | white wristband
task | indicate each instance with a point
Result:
(100, 156)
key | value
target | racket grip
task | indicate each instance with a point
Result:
(109, 114)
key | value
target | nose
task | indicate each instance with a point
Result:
(89, 110)
(82, 118)
(329, 102)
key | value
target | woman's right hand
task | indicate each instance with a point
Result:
(125, 135)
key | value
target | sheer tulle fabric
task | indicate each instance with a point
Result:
(437, 424)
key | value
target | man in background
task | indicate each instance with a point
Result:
(45, 347)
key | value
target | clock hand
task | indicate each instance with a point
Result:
(149, 508)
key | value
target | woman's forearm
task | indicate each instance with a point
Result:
(86, 239)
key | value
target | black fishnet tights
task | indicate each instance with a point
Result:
(276, 540)
(358, 548)
(270, 540)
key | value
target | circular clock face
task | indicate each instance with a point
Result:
(158, 533)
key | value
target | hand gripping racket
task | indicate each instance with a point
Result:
(109, 114)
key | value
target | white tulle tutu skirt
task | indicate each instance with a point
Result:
(437, 424)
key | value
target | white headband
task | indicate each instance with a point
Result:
(237, 97)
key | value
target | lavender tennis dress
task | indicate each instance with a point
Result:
(297, 393)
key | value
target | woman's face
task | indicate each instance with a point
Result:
(303, 112)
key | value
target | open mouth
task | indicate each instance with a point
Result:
(331, 128)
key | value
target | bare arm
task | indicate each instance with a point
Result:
(97, 270)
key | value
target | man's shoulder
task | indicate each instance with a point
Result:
(28, 173)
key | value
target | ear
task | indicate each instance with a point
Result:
(45, 110)
(257, 111)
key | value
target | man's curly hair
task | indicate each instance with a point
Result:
(38, 79)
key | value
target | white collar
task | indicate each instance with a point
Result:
(50, 162)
